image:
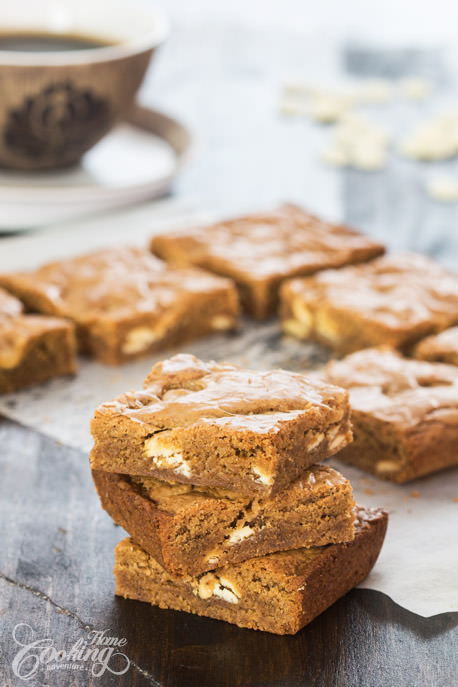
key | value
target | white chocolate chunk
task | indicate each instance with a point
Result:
(339, 440)
(225, 594)
(368, 157)
(433, 139)
(384, 467)
(315, 440)
(262, 476)
(240, 534)
(359, 142)
(295, 328)
(139, 339)
(443, 188)
(166, 455)
(415, 87)
(212, 559)
(327, 107)
(292, 106)
(376, 91)
(335, 156)
(212, 585)
(206, 586)
(222, 322)
(302, 313)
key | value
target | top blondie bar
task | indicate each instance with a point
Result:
(394, 300)
(218, 425)
(259, 251)
(126, 303)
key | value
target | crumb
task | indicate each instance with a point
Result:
(61, 530)
(455, 500)
(415, 494)
(368, 492)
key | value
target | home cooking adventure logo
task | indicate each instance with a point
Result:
(98, 653)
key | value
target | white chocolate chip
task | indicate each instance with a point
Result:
(225, 594)
(212, 585)
(376, 91)
(240, 534)
(368, 156)
(212, 559)
(315, 440)
(433, 139)
(443, 188)
(335, 156)
(327, 107)
(289, 106)
(337, 441)
(222, 322)
(262, 475)
(139, 339)
(207, 585)
(384, 467)
(166, 455)
(301, 312)
(295, 328)
(326, 327)
(415, 88)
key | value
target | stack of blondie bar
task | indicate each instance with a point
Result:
(213, 471)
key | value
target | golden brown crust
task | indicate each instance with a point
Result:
(213, 424)
(278, 593)
(394, 300)
(260, 251)
(126, 303)
(189, 530)
(404, 413)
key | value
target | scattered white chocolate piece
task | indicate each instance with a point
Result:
(375, 91)
(443, 188)
(327, 107)
(358, 142)
(415, 87)
(335, 156)
(433, 139)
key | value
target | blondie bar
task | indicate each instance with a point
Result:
(33, 348)
(404, 413)
(218, 425)
(126, 303)
(278, 593)
(394, 300)
(259, 251)
(441, 348)
(190, 530)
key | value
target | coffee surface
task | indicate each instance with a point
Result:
(48, 42)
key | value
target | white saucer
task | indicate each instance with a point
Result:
(136, 161)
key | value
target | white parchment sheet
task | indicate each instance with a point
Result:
(418, 565)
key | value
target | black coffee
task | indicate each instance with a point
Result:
(48, 42)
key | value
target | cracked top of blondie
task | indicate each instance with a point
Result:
(109, 284)
(184, 390)
(283, 242)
